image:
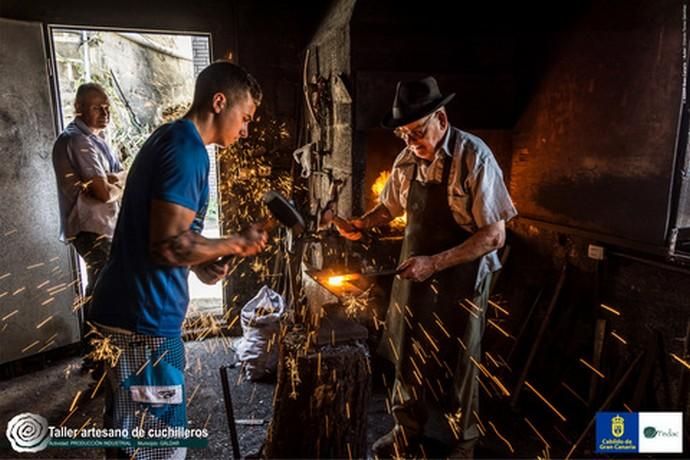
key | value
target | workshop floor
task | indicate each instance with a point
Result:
(51, 391)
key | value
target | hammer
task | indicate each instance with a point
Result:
(282, 212)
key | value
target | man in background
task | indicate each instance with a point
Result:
(89, 182)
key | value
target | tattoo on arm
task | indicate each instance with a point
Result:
(178, 249)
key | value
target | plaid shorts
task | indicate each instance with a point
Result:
(146, 390)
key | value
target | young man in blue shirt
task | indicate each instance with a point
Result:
(141, 298)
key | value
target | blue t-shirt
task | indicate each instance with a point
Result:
(133, 292)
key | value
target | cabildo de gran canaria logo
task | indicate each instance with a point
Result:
(639, 432)
(28, 432)
(616, 432)
(618, 426)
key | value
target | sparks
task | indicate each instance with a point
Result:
(551, 406)
(42, 323)
(612, 310)
(498, 328)
(454, 423)
(499, 308)
(9, 315)
(539, 435)
(103, 349)
(592, 368)
(680, 360)
(503, 438)
(74, 401)
(29, 347)
(619, 338)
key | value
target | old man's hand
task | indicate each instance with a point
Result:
(417, 268)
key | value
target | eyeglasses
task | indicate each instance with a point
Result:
(415, 134)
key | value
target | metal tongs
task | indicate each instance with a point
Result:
(388, 272)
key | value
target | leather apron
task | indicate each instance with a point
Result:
(425, 322)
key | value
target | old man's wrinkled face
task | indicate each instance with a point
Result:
(94, 109)
(423, 135)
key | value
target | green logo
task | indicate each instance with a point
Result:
(649, 432)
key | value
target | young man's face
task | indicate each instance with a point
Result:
(233, 122)
(94, 109)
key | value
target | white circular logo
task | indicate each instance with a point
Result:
(28, 432)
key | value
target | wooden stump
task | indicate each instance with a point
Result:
(321, 399)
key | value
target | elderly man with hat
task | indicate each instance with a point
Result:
(452, 189)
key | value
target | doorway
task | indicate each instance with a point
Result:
(149, 78)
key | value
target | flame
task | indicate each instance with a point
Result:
(399, 222)
(380, 181)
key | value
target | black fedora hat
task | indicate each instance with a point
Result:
(414, 100)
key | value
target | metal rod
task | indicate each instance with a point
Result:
(683, 384)
(392, 271)
(526, 322)
(229, 413)
(599, 336)
(540, 335)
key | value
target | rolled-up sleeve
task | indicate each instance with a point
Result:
(492, 202)
(397, 187)
(390, 196)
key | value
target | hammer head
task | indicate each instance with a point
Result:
(284, 212)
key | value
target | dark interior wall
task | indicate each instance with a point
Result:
(593, 150)
(490, 54)
(328, 67)
(601, 125)
(271, 39)
(392, 41)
